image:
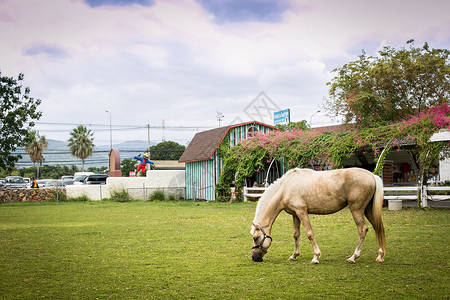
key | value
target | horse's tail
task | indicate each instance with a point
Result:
(377, 210)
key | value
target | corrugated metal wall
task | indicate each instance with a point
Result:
(200, 179)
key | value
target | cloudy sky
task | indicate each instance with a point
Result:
(182, 61)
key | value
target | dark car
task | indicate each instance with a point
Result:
(96, 179)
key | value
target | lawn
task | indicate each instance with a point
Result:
(183, 250)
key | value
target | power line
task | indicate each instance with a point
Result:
(126, 127)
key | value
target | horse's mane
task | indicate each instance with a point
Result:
(265, 198)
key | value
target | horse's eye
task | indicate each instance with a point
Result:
(255, 239)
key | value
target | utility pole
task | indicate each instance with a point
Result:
(110, 129)
(163, 130)
(148, 132)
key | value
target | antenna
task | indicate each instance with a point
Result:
(219, 116)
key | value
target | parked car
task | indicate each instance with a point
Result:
(15, 182)
(96, 179)
(2, 183)
(78, 177)
(67, 180)
(53, 183)
(27, 181)
(42, 182)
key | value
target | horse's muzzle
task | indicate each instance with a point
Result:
(257, 258)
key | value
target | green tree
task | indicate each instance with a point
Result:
(35, 148)
(18, 110)
(166, 151)
(302, 125)
(394, 86)
(128, 165)
(81, 143)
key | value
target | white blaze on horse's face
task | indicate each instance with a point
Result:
(261, 242)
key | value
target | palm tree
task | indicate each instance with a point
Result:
(81, 143)
(35, 148)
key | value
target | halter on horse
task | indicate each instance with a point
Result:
(303, 191)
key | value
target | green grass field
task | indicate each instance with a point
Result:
(192, 250)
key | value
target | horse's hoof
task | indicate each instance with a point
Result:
(314, 262)
(292, 259)
(379, 260)
(350, 261)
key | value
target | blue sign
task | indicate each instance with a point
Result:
(282, 116)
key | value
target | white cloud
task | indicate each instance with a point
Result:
(173, 60)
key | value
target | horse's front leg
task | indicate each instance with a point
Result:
(304, 218)
(296, 222)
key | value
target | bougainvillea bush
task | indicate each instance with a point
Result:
(298, 148)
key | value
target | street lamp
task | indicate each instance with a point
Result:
(110, 129)
(310, 119)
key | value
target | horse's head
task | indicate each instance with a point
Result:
(261, 242)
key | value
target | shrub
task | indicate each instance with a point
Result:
(60, 196)
(121, 196)
(158, 195)
(82, 198)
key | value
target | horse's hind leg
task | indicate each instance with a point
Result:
(369, 215)
(358, 216)
(303, 216)
(296, 222)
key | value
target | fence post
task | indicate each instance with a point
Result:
(245, 193)
(144, 191)
(101, 196)
(423, 196)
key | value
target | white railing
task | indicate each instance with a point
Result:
(390, 193)
(260, 191)
(438, 197)
(401, 193)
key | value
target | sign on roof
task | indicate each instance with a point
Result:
(282, 117)
(441, 136)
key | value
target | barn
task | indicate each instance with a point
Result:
(202, 158)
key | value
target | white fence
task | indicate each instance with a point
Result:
(257, 193)
(390, 193)
(170, 181)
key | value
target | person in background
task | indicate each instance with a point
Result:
(143, 162)
(34, 184)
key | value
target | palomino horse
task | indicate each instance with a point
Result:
(303, 191)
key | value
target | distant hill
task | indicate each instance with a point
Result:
(58, 153)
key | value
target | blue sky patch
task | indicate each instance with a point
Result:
(97, 3)
(226, 11)
(52, 51)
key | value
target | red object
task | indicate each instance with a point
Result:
(405, 168)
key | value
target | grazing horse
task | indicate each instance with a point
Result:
(303, 191)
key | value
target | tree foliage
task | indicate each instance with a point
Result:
(394, 86)
(166, 151)
(18, 110)
(298, 148)
(35, 148)
(302, 125)
(81, 143)
(127, 166)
